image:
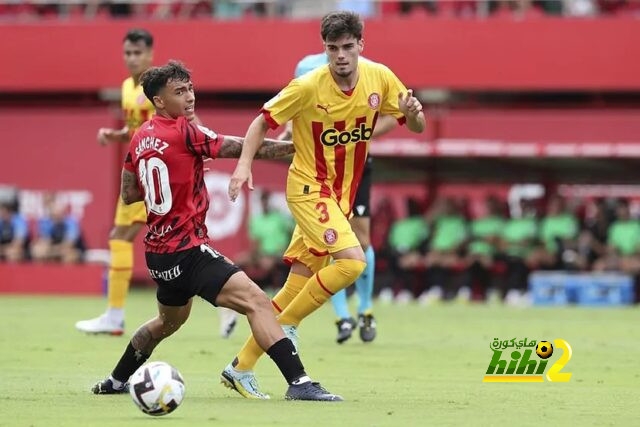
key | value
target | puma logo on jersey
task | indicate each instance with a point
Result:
(322, 107)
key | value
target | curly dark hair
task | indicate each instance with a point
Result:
(155, 78)
(139, 34)
(338, 24)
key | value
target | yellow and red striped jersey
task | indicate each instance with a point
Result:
(332, 129)
(136, 107)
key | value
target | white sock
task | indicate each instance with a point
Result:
(115, 314)
(116, 384)
(301, 380)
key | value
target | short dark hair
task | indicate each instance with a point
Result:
(155, 78)
(135, 35)
(338, 24)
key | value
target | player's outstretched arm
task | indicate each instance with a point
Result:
(270, 148)
(129, 190)
(107, 135)
(412, 110)
(252, 141)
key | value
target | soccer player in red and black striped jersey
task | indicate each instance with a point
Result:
(164, 168)
(334, 110)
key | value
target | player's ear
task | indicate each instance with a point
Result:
(360, 45)
(158, 102)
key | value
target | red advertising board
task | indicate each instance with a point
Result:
(256, 55)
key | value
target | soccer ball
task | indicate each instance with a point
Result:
(544, 349)
(157, 388)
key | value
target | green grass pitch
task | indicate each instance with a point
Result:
(425, 368)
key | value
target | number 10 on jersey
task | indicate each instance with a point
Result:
(154, 177)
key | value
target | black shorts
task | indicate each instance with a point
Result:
(201, 271)
(363, 195)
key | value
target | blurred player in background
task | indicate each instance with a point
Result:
(361, 225)
(164, 167)
(129, 219)
(334, 111)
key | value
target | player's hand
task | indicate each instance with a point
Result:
(241, 175)
(106, 135)
(409, 104)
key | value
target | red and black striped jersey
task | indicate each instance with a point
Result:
(167, 156)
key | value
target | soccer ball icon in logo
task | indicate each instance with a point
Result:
(157, 388)
(544, 349)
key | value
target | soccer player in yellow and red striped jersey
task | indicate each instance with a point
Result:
(129, 219)
(334, 110)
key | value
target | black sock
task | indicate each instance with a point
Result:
(131, 360)
(284, 354)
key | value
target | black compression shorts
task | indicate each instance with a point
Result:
(363, 195)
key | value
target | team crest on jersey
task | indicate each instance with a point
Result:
(141, 99)
(374, 101)
(330, 236)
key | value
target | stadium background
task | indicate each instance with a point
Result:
(511, 98)
(516, 92)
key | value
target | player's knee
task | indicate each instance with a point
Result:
(351, 269)
(257, 300)
(357, 255)
(124, 232)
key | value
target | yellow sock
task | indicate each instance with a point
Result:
(288, 292)
(320, 287)
(119, 272)
(251, 351)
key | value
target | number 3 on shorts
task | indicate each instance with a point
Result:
(322, 208)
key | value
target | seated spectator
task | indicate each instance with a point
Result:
(623, 244)
(521, 250)
(521, 9)
(592, 242)
(406, 243)
(59, 237)
(458, 9)
(483, 245)
(270, 232)
(619, 7)
(449, 234)
(383, 215)
(580, 8)
(412, 7)
(558, 234)
(14, 234)
(364, 8)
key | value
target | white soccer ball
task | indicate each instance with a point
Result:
(157, 388)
